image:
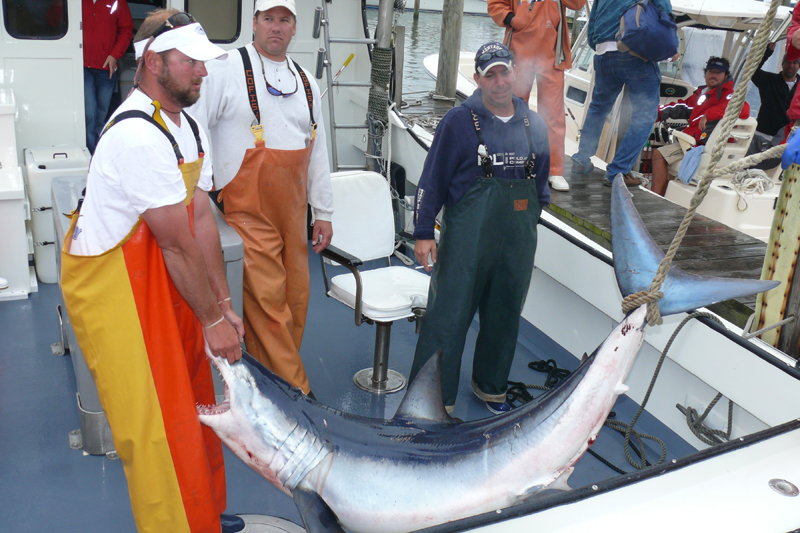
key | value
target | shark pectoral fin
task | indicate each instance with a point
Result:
(423, 401)
(561, 481)
(637, 257)
(317, 516)
(621, 389)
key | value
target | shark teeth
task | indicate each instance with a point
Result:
(218, 409)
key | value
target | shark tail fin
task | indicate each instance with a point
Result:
(637, 256)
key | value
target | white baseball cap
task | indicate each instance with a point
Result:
(266, 5)
(190, 39)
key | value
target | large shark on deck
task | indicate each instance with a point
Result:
(423, 468)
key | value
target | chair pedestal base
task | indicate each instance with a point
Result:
(379, 378)
(394, 382)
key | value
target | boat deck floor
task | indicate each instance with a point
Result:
(47, 486)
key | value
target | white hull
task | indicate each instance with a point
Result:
(583, 306)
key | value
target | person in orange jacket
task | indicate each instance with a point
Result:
(539, 39)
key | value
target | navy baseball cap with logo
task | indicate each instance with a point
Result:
(718, 63)
(490, 55)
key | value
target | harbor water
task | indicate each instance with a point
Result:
(422, 39)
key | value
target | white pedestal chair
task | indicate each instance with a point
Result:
(750, 212)
(363, 230)
(738, 142)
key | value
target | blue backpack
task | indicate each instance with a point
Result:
(648, 32)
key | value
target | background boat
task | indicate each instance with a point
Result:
(707, 28)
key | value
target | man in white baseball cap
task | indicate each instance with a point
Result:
(144, 282)
(264, 118)
(266, 5)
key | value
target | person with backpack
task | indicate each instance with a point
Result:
(615, 69)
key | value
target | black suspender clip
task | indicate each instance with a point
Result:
(486, 159)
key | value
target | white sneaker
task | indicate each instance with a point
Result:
(3, 283)
(558, 183)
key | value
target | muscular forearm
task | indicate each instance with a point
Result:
(184, 259)
(207, 237)
(187, 270)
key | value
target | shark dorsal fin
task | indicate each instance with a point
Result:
(423, 400)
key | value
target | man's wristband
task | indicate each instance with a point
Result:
(228, 299)
(507, 20)
(215, 323)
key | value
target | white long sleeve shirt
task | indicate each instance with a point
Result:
(224, 110)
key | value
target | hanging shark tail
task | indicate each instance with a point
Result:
(637, 257)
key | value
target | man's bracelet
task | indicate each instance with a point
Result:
(228, 299)
(215, 323)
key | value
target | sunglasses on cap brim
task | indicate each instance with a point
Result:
(175, 21)
(483, 58)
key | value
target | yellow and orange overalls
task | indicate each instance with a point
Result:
(145, 350)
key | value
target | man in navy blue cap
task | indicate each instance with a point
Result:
(488, 166)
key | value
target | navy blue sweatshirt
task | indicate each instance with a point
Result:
(453, 162)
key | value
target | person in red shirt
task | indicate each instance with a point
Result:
(704, 108)
(793, 54)
(107, 32)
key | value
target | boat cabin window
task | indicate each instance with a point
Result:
(220, 18)
(35, 19)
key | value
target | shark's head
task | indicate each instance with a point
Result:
(256, 415)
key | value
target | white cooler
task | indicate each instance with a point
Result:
(13, 238)
(42, 165)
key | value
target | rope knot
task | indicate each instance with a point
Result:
(637, 299)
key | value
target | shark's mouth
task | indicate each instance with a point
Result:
(217, 409)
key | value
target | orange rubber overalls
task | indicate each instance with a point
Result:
(266, 202)
(145, 350)
(537, 55)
